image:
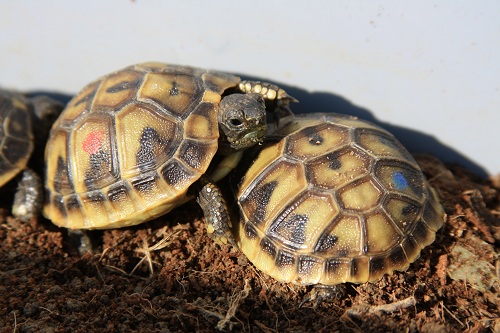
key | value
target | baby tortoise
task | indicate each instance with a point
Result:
(129, 146)
(24, 121)
(336, 200)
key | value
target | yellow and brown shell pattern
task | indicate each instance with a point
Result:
(336, 200)
(129, 145)
(16, 136)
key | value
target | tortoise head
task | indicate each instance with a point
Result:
(242, 121)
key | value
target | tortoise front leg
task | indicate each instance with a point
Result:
(217, 216)
(271, 92)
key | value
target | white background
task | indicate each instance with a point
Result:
(429, 71)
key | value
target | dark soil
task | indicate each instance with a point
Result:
(168, 276)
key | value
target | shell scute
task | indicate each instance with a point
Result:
(400, 177)
(381, 233)
(93, 153)
(361, 195)
(312, 142)
(146, 138)
(336, 169)
(59, 167)
(177, 175)
(301, 222)
(115, 91)
(272, 190)
(202, 124)
(123, 200)
(348, 235)
(77, 107)
(94, 204)
(177, 93)
(380, 144)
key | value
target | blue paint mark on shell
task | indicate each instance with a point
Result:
(399, 180)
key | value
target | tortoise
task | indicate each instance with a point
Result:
(23, 122)
(336, 199)
(138, 142)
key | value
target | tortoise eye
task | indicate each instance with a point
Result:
(235, 122)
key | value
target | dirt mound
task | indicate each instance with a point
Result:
(168, 276)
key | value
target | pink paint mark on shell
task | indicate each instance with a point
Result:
(93, 142)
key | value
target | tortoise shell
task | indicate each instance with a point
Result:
(16, 135)
(129, 145)
(336, 200)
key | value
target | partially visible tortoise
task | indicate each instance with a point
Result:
(129, 146)
(337, 199)
(16, 135)
(22, 122)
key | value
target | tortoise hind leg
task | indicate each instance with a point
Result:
(321, 293)
(28, 199)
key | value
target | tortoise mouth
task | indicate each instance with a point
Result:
(250, 138)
